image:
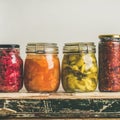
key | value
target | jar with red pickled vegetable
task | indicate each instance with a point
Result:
(11, 68)
(109, 63)
(42, 67)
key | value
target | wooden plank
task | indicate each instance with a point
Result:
(59, 105)
(90, 95)
(63, 108)
(63, 119)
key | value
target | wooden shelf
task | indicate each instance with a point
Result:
(61, 95)
(60, 105)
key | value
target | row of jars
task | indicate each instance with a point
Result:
(79, 73)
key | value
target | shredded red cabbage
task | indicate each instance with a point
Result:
(11, 70)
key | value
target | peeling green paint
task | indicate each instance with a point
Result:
(61, 108)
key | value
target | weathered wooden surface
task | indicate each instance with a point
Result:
(62, 95)
(59, 105)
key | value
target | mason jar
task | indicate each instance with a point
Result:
(42, 67)
(11, 68)
(79, 67)
(109, 63)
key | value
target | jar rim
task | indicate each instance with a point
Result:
(78, 47)
(9, 46)
(109, 35)
(44, 44)
(42, 48)
(79, 43)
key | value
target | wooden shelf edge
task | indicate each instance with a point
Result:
(61, 95)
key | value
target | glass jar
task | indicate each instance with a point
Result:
(109, 63)
(42, 67)
(79, 67)
(11, 68)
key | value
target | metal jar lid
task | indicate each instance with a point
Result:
(79, 47)
(9, 46)
(110, 37)
(42, 48)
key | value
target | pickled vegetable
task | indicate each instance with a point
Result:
(41, 73)
(11, 70)
(109, 70)
(79, 72)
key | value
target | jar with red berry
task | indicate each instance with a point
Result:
(11, 68)
(109, 63)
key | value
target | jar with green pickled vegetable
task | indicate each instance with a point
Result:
(79, 67)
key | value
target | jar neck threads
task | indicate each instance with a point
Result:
(42, 48)
(109, 37)
(80, 47)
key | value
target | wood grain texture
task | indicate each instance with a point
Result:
(61, 95)
(60, 105)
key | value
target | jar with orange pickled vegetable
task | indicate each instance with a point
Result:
(42, 67)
